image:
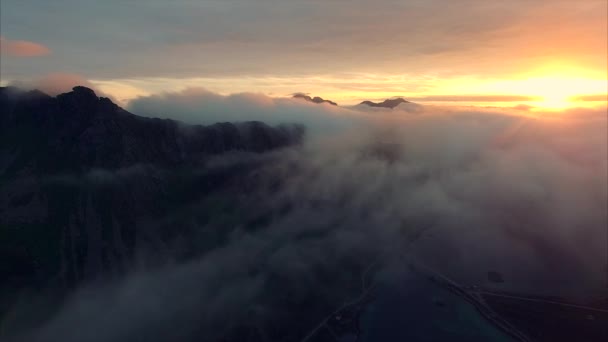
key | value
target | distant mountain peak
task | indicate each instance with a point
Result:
(84, 90)
(388, 103)
(315, 99)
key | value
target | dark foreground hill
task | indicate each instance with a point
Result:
(77, 130)
(79, 175)
(90, 192)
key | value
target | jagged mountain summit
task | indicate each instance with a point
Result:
(389, 103)
(78, 130)
(315, 99)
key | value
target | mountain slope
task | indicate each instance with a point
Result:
(95, 182)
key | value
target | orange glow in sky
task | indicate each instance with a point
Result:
(549, 54)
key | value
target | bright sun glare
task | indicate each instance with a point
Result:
(553, 85)
(558, 93)
(551, 92)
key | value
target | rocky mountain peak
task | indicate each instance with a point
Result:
(84, 91)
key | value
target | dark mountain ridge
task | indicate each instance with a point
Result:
(85, 184)
(389, 103)
(315, 99)
(78, 130)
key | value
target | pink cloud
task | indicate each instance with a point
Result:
(22, 48)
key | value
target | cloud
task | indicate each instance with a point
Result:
(463, 190)
(473, 98)
(594, 97)
(532, 183)
(198, 105)
(22, 48)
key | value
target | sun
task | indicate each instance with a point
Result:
(560, 93)
(557, 92)
(553, 93)
(555, 102)
(549, 92)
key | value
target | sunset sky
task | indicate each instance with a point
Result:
(494, 52)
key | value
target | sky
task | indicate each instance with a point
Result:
(429, 51)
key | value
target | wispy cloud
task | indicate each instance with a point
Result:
(592, 98)
(185, 39)
(473, 98)
(22, 48)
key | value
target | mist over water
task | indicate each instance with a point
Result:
(464, 191)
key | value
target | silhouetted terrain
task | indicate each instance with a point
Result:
(84, 173)
(315, 99)
(389, 103)
(76, 131)
(89, 191)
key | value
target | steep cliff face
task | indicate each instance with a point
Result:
(86, 186)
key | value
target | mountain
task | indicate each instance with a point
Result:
(85, 184)
(389, 103)
(315, 99)
(93, 196)
(77, 130)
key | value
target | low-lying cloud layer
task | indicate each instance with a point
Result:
(517, 186)
(200, 106)
(466, 191)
